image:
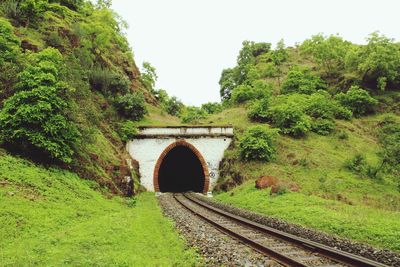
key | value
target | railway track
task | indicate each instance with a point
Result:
(284, 248)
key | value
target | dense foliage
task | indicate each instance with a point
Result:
(9, 58)
(132, 106)
(258, 143)
(34, 119)
(68, 81)
(357, 100)
(128, 130)
(193, 114)
(301, 81)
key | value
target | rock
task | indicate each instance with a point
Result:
(266, 181)
(26, 45)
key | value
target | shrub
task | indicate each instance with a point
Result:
(320, 106)
(127, 131)
(257, 90)
(9, 57)
(34, 119)
(132, 106)
(389, 136)
(342, 135)
(356, 164)
(193, 114)
(323, 126)
(258, 111)
(301, 81)
(357, 100)
(212, 107)
(242, 93)
(341, 112)
(290, 119)
(258, 143)
(359, 165)
(108, 82)
(173, 106)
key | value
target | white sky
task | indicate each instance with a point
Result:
(190, 42)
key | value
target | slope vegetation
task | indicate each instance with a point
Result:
(322, 119)
(53, 217)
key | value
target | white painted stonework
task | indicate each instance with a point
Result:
(211, 142)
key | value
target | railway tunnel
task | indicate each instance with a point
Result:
(179, 158)
(181, 171)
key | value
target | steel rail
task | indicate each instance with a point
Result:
(329, 252)
(255, 245)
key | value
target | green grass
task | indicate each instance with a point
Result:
(377, 227)
(158, 117)
(52, 217)
(331, 198)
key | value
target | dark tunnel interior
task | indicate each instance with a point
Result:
(181, 171)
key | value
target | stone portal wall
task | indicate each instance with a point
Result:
(150, 143)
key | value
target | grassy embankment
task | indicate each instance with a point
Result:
(52, 217)
(331, 198)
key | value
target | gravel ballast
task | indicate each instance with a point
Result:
(216, 248)
(381, 255)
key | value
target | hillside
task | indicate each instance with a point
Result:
(334, 162)
(70, 90)
(53, 217)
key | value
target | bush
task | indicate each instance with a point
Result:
(290, 119)
(242, 93)
(34, 119)
(301, 81)
(359, 165)
(257, 90)
(108, 82)
(212, 107)
(173, 106)
(357, 100)
(127, 131)
(258, 143)
(389, 136)
(342, 135)
(258, 111)
(356, 164)
(341, 112)
(9, 57)
(193, 114)
(323, 126)
(132, 106)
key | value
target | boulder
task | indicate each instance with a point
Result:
(266, 181)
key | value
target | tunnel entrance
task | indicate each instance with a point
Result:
(181, 170)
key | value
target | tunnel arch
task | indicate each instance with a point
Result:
(196, 152)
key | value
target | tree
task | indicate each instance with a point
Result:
(149, 76)
(328, 52)
(34, 119)
(247, 55)
(279, 56)
(227, 83)
(379, 61)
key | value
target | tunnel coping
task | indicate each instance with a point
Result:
(184, 132)
(194, 150)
